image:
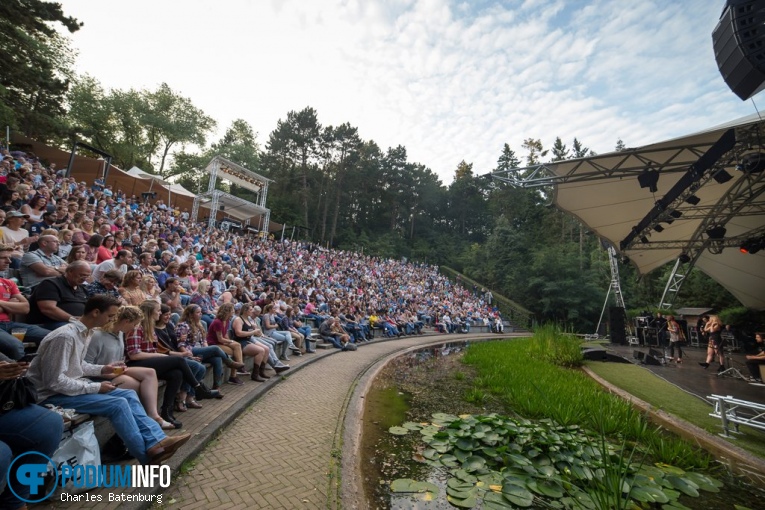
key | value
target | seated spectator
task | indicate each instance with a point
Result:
(142, 350)
(172, 297)
(121, 263)
(108, 347)
(108, 284)
(91, 248)
(331, 331)
(25, 430)
(35, 208)
(48, 222)
(107, 250)
(78, 252)
(42, 263)
(217, 334)
(60, 374)
(203, 299)
(12, 302)
(167, 339)
(171, 271)
(131, 291)
(64, 242)
(57, 300)
(192, 333)
(270, 327)
(16, 236)
(145, 264)
(242, 329)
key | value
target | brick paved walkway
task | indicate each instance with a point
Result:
(283, 453)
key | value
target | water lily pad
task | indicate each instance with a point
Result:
(469, 502)
(459, 485)
(449, 461)
(412, 425)
(461, 494)
(444, 418)
(495, 501)
(672, 470)
(519, 496)
(518, 460)
(398, 431)
(685, 486)
(465, 443)
(465, 476)
(705, 483)
(649, 495)
(430, 453)
(474, 463)
(461, 455)
(404, 485)
(547, 488)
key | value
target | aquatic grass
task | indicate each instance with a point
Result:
(534, 386)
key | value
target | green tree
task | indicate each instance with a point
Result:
(559, 150)
(620, 146)
(536, 151)
(172, 120)
(36, 64)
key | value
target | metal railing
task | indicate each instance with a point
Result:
(737, 412)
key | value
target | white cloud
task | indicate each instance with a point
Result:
(448, 80)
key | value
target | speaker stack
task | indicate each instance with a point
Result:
(617, 329)
(739, 46)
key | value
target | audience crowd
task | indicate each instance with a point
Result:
(117, 291)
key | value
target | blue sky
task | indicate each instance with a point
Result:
(450, 81)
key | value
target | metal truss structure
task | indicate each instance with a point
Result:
(221, 167)
(727, 223)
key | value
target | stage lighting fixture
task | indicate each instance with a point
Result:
(675, 214)
(753, 163)
(649, 179)
(658, 228)
(669, 221)
(644, 240)
(718, 232)
(684, 258)
(752, 245)
(693, 200)
(721, 176)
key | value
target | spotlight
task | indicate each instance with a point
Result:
(644, 240)
(658, 228)
(649, 179)
(752, 245)
(693, 200)
(752, 163)
(721, 176)
(717, 232)
(684, 258)
(669, 221)
(675, 214)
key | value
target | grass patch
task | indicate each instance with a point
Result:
(523, 374)
(663, 395)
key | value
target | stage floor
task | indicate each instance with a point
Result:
(693, 378)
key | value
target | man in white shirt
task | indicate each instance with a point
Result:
(121, 263)
(60, 374)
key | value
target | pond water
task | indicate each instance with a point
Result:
(414, 387)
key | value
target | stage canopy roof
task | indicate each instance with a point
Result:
(707, 202)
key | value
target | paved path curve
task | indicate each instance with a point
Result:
(284, 452)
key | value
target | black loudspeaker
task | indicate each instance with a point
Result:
(638, 355)
(652, 360)
(223, 208)
(739, 46)
(616, 327)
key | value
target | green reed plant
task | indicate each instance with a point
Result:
(551, 344)
(533, 386)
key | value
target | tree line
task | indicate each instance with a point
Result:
(335, 187)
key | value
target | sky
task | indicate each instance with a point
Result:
(448, 80)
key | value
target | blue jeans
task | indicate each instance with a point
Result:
(333, 340)
(7, 341)
(125, 412)
(213, 355)
(198, 370)
(270, 344)
(32, 428)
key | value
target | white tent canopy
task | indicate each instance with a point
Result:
(655, 228)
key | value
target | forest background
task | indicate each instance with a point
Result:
(335, 187)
